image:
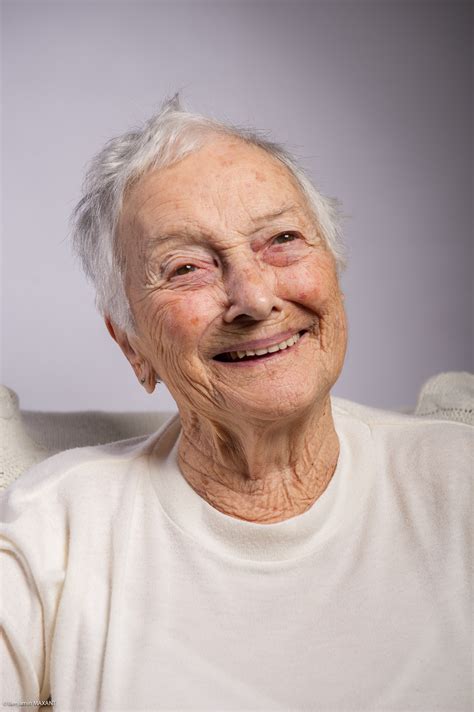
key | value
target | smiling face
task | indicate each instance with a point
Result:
(224, 264)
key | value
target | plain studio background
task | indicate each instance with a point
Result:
(374, 97)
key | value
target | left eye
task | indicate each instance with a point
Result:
(284, 237)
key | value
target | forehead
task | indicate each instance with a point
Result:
(226, 182)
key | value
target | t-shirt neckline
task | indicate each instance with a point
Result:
(286, 540)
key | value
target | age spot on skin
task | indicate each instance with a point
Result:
(260, 177)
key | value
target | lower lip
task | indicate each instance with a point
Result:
(266, 358)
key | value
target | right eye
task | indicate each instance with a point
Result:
(184, 269)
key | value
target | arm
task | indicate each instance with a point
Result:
(22, 641)
(31, 577)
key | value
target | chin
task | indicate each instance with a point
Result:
(277, 399)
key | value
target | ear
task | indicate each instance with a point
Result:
(131, 349)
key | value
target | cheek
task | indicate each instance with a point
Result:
(188, 318)
(312, 282)
(303, 284)
(302, 295)
(183, 329)
(179, 322)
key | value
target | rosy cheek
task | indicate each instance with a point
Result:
(188, 316)
(299, 284)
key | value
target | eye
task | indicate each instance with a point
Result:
(284, 237)
(184, 269)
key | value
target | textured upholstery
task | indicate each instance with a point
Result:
(448, 396)
(27, 437)
(18, 451)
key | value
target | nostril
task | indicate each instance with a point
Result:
(244, 319)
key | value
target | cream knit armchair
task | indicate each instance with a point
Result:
(27, 437)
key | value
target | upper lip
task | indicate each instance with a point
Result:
(260, 343)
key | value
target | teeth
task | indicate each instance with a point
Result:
(271, 349)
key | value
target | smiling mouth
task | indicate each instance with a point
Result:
(259, 354)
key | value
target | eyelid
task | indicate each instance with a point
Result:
(168, 269)
(295, 233)
(181, 259)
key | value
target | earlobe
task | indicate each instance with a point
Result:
(148, 381)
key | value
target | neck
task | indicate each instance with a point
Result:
(261, 472)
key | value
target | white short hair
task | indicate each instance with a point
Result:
(163, 140)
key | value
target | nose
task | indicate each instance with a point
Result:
(251, 292)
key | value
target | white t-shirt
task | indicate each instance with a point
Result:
(123, 589)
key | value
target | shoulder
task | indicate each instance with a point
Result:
(78, 478)
(427, 459)
(402, 427)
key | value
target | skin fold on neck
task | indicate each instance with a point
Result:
(265, 472)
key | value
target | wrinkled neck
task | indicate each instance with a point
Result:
(263, 472)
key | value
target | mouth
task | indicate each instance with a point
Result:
(264, 354)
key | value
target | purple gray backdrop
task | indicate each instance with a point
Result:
(375, 99)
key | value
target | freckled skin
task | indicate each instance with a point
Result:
(258, 442)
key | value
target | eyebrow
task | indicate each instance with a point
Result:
(159, 239)
(185, 233)
(272, 216)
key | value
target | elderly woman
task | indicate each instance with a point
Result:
(269, 548)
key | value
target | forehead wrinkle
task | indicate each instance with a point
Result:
(199, 234)
(142, 216)
(273, 215)
(181, 235)
(131, 222)
(257, 212)
(135, 204)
